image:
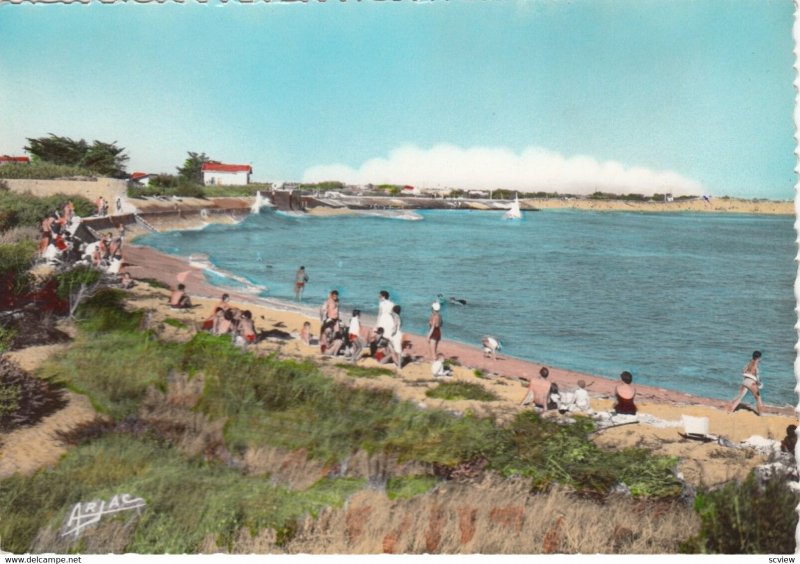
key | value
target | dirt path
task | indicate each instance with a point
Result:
(27, 449)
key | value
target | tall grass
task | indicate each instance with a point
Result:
(266, 401)
(187, 500)
(746, 518)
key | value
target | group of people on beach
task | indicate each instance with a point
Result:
(385, 343)
(59, 245)
(224, 320)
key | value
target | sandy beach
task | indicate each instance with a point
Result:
(506, 377)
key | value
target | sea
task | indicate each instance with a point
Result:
(680, 300)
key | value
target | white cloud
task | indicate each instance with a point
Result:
(533, 170)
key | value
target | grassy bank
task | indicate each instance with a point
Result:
(184, 419)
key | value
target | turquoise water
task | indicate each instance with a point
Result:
(681, 300)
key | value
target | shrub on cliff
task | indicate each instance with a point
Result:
(746, 518)
(18, 209)
(42, 171)
(16, 280)
(24, 399)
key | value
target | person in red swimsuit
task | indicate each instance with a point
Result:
(625, 393)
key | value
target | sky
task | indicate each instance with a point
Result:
(689, 97)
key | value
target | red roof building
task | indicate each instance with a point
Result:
(4, 159)
(226, 174)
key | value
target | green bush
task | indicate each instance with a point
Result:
(266, 401)
(70, 281)
(408, 486)
(42, 170)
(16, 281)
(746, 518)
(461, 391)
(365, 371)
(24, 399)
(23, 209)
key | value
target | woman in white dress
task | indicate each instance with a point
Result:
(385, 306)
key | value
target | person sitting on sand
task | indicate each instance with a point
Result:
(179, 299)
(246, 328)
(438, 369)
(212, 320)
(625, 393)
(223, 323)
(379, 346)
(540, 391)
(490, 347)
(335, 336)
(750, 383)
(354, 336)
(581, 401)
(789, 442)
(305, 333)
(97, 256)
(434, 329)
(126, 281)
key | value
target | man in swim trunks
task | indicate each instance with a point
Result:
(300, 279)
(540, 390)
(329, 313)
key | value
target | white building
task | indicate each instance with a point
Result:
(219, 174)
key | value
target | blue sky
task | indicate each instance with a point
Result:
(580, 95)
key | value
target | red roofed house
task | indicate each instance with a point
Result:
(140, 178)
(5, 159)
(226, 174)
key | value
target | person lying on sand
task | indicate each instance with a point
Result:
(625, 393)
(179, 299)
(541, 391)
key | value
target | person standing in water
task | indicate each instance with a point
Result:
(750, 383)
(434, 329)
(300, 279)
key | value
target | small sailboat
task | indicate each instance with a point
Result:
(513, 212)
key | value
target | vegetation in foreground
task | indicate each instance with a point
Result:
(269, 402)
